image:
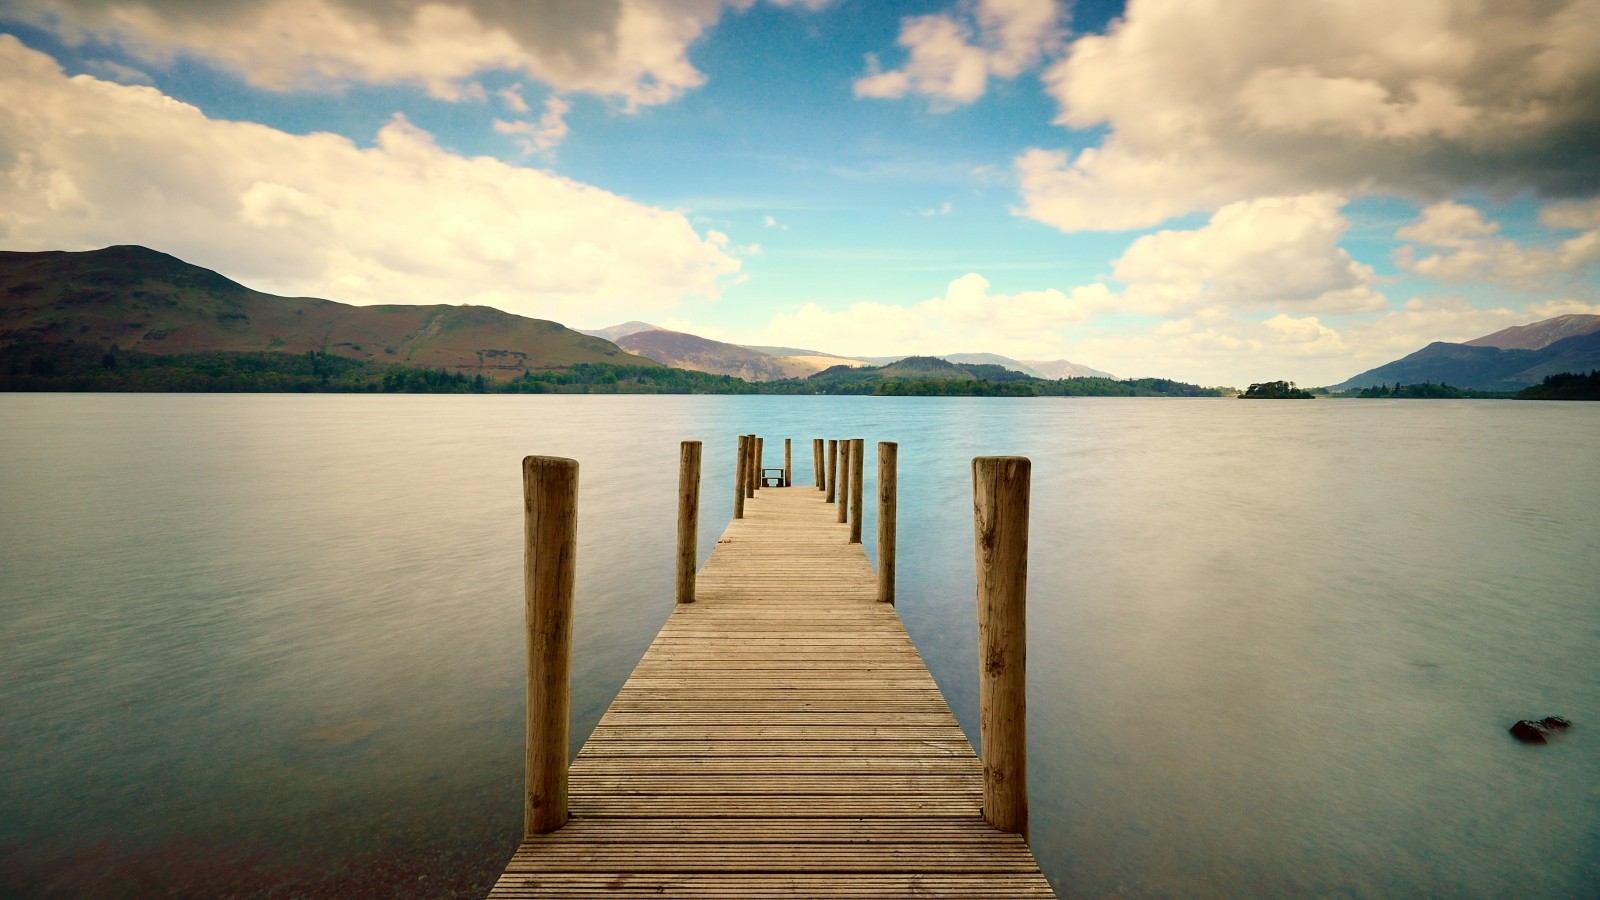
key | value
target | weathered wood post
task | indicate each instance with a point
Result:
(816, 464)
(550, 530)
(688, 517)
(788, 465)
(1000, 538)
(761, 446)
(833, 468)
(857, 454)
(887, 498)
(741, 477)
(750, 467)
(844, 480)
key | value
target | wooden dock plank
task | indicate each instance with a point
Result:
(780, 738)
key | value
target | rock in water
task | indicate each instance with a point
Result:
(1530, 732)
(1553, 723)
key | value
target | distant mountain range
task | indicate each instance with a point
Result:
(1507, 360)
(142, 300)
(688, 351)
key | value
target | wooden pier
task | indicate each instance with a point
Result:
(780, 738)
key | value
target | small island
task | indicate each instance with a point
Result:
(1275, 390)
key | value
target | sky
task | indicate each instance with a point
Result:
(1219, 191)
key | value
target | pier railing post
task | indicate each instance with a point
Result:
(761, 446)
(688, 517)
(1000, 538)
(741, 477)
(833, 469)
(816, 464)
(887, 499)
(844, 480)
(752, 456)
(857, 461)
(550, 503)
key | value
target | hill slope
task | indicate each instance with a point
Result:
(690, 351)
(1487, 368)
(1538, 335)
(143, 300)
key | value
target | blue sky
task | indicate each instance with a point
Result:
(1220, 192)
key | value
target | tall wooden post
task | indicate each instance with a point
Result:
(887, 498)
(857, 460)
(788, 464)
(844, 480)
(550, 531)
(688, 517)
(741, 476)
(816, 464)
(750, 467)
(760, 460)
(833, 469)
(1000, 538)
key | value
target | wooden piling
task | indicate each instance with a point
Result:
(688, 517)
(819, 476)
(1000, 537)
(857, 452)
(844, 480)
(741, 477)
(833, 469)
(761, 446)
(752, 458)
(788, 464)
(550, 530)
(888, 451)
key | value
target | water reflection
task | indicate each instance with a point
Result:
(1274, 647)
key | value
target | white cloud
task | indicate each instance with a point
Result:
(511, 96)
(1238, 350)
(772, 222)
(948, 65)
(93, 163)
(1211, 102)
(636, 50)
(541, 136)
(1280, 252)
(966, 318)
(1467, 247)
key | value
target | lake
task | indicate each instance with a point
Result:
(260, 645)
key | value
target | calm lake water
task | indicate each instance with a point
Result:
(271, 645)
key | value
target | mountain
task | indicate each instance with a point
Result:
(1538, 335)
(1485, 366)
(1061, 368)
(618, 331)
(139, 299)
(926, 367)
(690, 351)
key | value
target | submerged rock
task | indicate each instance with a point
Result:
(1530, 732)
(1555, 723)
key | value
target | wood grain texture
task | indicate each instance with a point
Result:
(1000, 541)
(781, 737)
(550, 508)
(688, 518)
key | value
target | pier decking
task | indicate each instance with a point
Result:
(780, 738)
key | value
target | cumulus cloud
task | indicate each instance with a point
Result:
(88, 163)
(1237, 350)
(1465, 246)
(1280, 252)
(636, 50)
(946, 62)
(965, 317)
(1207, 103)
